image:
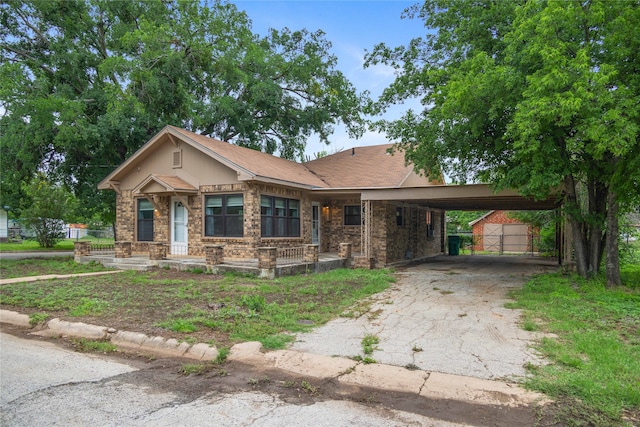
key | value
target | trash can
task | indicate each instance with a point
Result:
(454, 245)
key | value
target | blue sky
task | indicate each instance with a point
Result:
(352, 27)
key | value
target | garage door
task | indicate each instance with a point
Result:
(491, 238)
(515, 237)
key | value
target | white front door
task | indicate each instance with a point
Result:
(179, 230)
(315, 223)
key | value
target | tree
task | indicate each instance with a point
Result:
(84, 83)
(534, 95)
(46, 209)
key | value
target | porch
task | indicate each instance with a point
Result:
(270, 263)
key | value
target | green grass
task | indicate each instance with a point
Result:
(41, 266)
(229, 309)
(63, 245)
(596, 354)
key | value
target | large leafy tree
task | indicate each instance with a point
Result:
(84, 83)
(533, 95)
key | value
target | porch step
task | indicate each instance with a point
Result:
(127, 266)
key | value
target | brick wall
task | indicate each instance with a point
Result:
(495, 217)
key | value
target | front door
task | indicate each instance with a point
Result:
(179, 233)
(315, 223)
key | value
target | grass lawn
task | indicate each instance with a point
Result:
(200, 307)
(32, 245)
(38, 266)
(595, 347)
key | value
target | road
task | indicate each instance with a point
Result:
(43, 383)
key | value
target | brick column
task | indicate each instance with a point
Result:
(123, 249)
(267, 259)
(157, 251)
(344, 250)
(81, 249)
(364, 262)
(310, 253)
(214, 254)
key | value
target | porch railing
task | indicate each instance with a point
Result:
(291, 254)
(103, 248)
(178, 251)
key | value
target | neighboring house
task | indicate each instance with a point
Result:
(188, 190)
(76, 231)
(496, 231)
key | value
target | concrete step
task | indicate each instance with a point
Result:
(127, 266)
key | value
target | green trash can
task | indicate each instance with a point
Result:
(454, 245)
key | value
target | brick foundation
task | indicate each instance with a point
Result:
(123, 249)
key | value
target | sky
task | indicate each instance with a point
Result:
(353, 27)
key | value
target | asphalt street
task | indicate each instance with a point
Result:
(43, 384)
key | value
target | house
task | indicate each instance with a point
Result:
(188, 190)
(497, 231)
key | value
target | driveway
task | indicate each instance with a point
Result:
(445, 315)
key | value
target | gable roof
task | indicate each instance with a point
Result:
(168, 184)
(361, 167)
(477, 220)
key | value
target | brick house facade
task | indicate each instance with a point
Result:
(186, 191)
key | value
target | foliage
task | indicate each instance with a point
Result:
(595, 349)
(45, 209)
(537, 96)
(84, 83)
(458, 221)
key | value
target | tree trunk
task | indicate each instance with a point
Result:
(573, 212)
(597, 209)
(613, 258)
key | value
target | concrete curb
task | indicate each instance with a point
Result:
(427, 384)
(132, 341)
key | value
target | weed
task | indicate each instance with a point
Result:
(37, 318)
(193, 369)
(223, 353)
(259, 381)
(256, 303)
(85, 345)
(374, 314)
(446, 292)
(369, 344)
(416, 349)
(412, 367)
(357, 358)
(530, 325)
(462, 315)
(275, 342)
(368, 360)
(179, 325)
(303, 385)
(89, 307)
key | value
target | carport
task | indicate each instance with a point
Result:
(468, 197)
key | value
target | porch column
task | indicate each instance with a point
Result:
(214, 255)
(267, 259)
(123, 249)
(157, 251)
(310, 253)
(364, 262)
(344, 250)
(81, 249)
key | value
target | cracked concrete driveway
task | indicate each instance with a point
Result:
(444, 315)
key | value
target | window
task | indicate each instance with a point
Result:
(352, 215)
(145, 221)
(279, 217)
(430, 227)
(399, 217)
(223, 215)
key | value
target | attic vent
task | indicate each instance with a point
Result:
(177, 159)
